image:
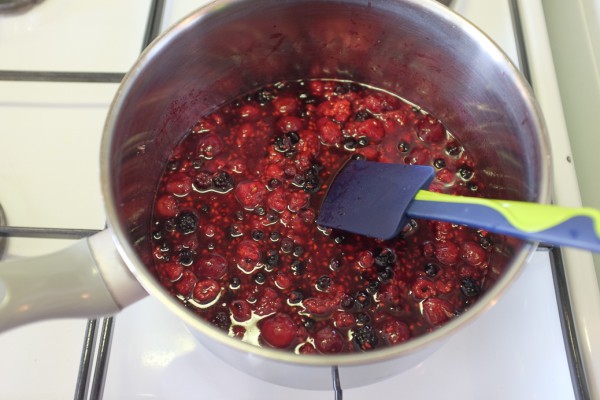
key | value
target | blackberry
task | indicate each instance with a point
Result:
(274, 183)
(309, 323)
(385, 258)
(350, 144)
(295, 297)
(222, 182)
(323, 283)
(403, 147)
(263, 96)
(235, 283)
(185, 258)
(453, 149)
(334, 264)
(431, 269)
(293, 137)
(260, 278)
(363, 141)
(298, 267)
(298, 251)
(274, 236)
(362, 116)
(365, 337)
(257, 234)
(311, 184)
(372, 287)
(186, 222)
(282, 145)
(362, 319)
(362, 299)
(469, 287)
(439, 163)
(347, 302)
(385, 275)
(272, 258)
(465, 173)
(221, 320)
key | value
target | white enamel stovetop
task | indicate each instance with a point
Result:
(50, 132)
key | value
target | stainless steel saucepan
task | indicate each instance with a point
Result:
(418, 49)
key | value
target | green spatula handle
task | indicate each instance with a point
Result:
(562, 226)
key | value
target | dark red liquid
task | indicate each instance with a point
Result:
(235, 237)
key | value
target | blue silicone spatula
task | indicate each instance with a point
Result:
(377, 199)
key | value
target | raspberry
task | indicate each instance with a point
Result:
(343, 320)
(329, 341)
(241, 310)
(212, 266)
(371, 128)
(248, 255)
(430, 130)
(473, 254)
(298, 201)
(209, 146)
(437, 311)
(447, 253)
(186, 283)
(278, 330)
(173, 271)
(394, 332)
(250, 194)
(339, 110)
(285, 106)
(330, 133)
(276, 200)
(289, 124)
(249, 112)
(206, 291)
(423, 288)
(166, 206)
(179, 185)
(268, 303)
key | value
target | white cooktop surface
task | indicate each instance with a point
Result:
(49, 141)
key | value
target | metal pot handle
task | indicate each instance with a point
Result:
(86, 279)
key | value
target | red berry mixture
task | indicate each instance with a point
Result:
(235, 237)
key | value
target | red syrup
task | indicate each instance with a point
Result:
(235, 238)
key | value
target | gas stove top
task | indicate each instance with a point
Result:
(60, 67)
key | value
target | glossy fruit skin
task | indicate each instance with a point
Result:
(235, 216)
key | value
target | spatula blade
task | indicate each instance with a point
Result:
(370, 198)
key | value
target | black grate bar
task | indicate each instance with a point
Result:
(85, 365)
(154, 25)
(46, 233)
(567, 321)
(62, 76)
(337, 387)
(102, 357)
